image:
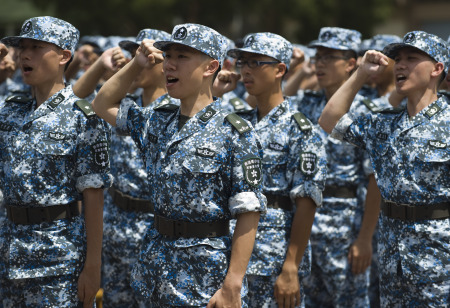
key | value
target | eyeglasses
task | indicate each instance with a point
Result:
(253, 63)
(325, 59)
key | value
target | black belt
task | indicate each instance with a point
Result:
(339, 191)
(130, 204)
(177, 228)
(412, 213)
(279, 202)
(22, 215)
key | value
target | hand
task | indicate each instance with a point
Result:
(113, 59)
(3, 51)
(287, 288)
(7, 66)
(225, 82)
(360, 256)
(298, 57)
(147, 55)
(227, 296)
(373, 62)
(88, 285)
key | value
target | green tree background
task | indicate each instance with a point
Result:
(297, 20)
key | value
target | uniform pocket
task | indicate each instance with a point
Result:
(198, 165)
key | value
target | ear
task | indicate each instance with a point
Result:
(438, 69)
(66, 56)
(211, 68)
(281, 70)
(351, 65)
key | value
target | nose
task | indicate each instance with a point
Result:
(169, 64)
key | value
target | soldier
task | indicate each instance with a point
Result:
(294, 171)
(409, 150)
(128, 208)
(204, 168)
(341, 236)
(54, 153)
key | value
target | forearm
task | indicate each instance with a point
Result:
(89, 80)
(371, 211)
(93, 214)
(107, 102)
(300, 232)
(242, 247)
(339, 104)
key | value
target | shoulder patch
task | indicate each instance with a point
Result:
(238, 123)
(86, 107)
(18, 98)
(302, 121)
(371, 105)
(252, 171)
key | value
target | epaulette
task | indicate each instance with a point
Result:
(392, 110)
(303, 122)
(313, 93)
(238, 123)
(237, 103)
(371, 105)
(132, 96)
(18, 98)
(166, 105)
(86, 107)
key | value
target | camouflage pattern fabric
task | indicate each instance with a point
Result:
(208, 171)
(338, 38)
(123, 230)
(337, 222)
(411, 160)
(49, 155)
(294, 165)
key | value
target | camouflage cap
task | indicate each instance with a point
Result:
(47, 29)
(267, 44)
(378, 42)
(428, 43)
(199, 37)
(338, 38)
(308, 52)
(97, 41)
(151, 34)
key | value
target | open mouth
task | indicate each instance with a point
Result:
(26, 69)
(171, 80)
(400, 77)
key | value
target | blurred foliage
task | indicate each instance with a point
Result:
(297, 20)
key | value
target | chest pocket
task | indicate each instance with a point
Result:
(197, 164)
(433, 154)
(57, 144)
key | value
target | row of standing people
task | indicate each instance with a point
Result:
(278, 151)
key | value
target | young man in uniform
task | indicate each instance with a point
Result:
(341, 236)
(54, 153)
(409, 150)
(204, 168)
(294, 172)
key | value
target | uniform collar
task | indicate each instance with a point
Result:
(426, 115)
(51, 104)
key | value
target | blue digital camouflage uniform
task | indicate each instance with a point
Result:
(195, 174)
(48, 156)
(294, 165)
(124, 230)
(411, 160)
(207, 171)
(337, 222)
(232, 103)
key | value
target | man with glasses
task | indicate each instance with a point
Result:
(294, 171)
(341, 236)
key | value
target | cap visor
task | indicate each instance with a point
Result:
(128, 45)
(12, 41)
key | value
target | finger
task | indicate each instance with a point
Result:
(298, 299)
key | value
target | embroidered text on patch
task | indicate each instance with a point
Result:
(252, 171)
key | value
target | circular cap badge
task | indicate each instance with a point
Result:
(180, 34)
(410, 38)
(27, 27)
(249, 41)
(326, 36)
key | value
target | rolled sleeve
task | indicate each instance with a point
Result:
(308, 190)
(247, 202)
(341, 127)
(122, 117)
(94, 181)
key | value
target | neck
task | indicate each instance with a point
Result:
(44, 92)
(149, 95)
(420, 100)
(190, 106)
(267, 101)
